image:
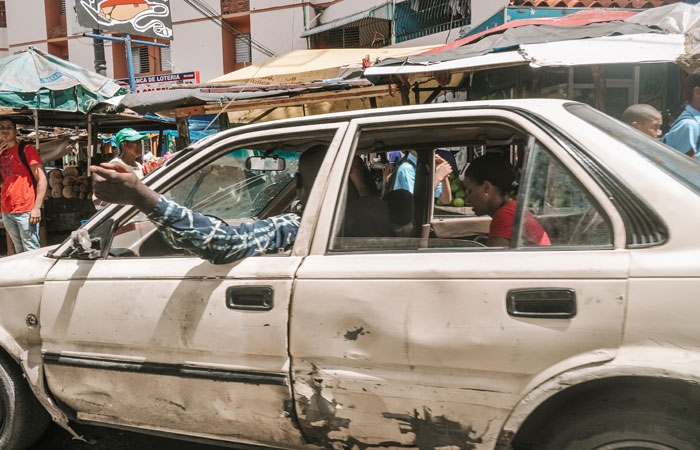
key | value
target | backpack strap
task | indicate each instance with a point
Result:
(23, 158)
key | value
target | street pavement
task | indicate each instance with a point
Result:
(56, 438)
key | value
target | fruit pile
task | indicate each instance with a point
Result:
(458, 193)
(69, 183)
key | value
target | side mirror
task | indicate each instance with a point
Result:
(264, 164)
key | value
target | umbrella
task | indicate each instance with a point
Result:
(37, 80)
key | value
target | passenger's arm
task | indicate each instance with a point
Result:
(442, 172)
(204, 236)
(497, 241)
(218, 242)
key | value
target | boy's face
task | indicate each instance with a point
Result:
(651, 127)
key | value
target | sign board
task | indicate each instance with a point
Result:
(161, 82)
(149, 18)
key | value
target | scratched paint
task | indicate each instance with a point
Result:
(352, 335)
(433, 432)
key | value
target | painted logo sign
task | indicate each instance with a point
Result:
(140, 17)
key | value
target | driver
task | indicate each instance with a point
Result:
(205, 236)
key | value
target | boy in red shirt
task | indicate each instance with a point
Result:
(20, 204)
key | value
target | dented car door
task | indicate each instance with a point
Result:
(421, 348)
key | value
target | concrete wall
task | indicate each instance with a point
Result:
(277, 29)
(26, 23)
(197, 46)
(182, 11)
(482, 10)
(3, 43)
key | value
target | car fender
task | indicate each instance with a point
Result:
(668, 363)
(19, 324)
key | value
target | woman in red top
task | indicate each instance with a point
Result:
(489, 182)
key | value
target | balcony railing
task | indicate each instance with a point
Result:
(234, 6)
(418, 18)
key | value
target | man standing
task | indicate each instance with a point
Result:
(129, 149)
(685, 131)
(21, 201)
(127, 142)
(645, 118)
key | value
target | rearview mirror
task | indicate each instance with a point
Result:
(262, 163)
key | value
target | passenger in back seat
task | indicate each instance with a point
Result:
(489, 182)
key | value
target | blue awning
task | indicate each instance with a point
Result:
(384, 11)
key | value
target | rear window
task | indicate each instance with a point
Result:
(673, 162)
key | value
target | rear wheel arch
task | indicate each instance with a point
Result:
(683, 395)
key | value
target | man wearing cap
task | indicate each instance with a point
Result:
(127, 141)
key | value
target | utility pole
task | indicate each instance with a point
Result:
(98, 46)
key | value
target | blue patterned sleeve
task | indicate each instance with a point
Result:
(218, 242)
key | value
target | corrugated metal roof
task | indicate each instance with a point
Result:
(637, 4)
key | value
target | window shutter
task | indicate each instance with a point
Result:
(139, 55)
(165, 61)
(243, 53)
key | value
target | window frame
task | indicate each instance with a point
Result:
(326, 228)
(523, 195)
(106, 222)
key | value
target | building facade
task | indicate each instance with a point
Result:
(215, 37)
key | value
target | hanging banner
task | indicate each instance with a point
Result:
(161, 82)
(149, 18)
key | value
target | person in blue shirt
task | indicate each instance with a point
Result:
(685, 131)
(406, 177)
(205, 236)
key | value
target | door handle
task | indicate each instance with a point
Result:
(250, 298)
(542, 303)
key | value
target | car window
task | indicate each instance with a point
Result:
(224, 189)
(556, 202)
(410, 213)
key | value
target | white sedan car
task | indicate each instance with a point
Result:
(388, 324)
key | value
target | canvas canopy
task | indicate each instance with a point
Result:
(37, 80)
(656, 35)
(312, 65)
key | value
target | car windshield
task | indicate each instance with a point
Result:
(674, 163)
(226, 189)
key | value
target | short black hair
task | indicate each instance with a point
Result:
(11, 119)
(641, 112)
(494, 168)
(691, 83)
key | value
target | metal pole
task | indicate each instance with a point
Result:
(130, 63)
(99, 52)
(36, 129)
(90, 142)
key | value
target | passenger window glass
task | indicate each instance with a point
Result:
(558, 204)
(416, 200)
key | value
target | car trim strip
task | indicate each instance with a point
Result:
(176, 370)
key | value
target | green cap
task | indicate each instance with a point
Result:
(128, 134)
